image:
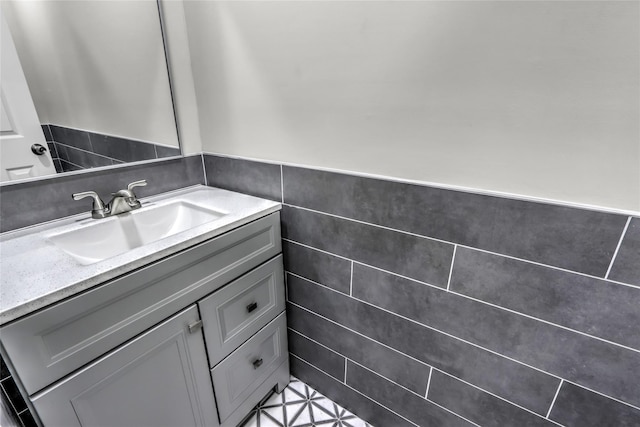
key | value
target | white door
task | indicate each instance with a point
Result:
(19, 124)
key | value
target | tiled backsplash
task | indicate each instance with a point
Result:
(49, 198)
(414, 305)
(73, 149)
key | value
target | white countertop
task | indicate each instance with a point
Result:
(35, 273)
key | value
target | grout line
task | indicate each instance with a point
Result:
(451, 412)
(474, 345)
(315, 283)
(345, 370)
(86, 151)
(204, 170)
(459, 244)
(351, 281)
(8, 399)
(281, 184)
(411, 391)
(426, 393)
(315, 249)
(357, 391)
(554, 399)
(155, 150)
(453, 258)
(615, 253)
(478, 301)
(495, 395)
(316, 342)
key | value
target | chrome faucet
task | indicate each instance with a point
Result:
(122, 201)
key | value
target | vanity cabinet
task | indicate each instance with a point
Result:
(149, 348)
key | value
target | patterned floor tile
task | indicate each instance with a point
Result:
(301, 406)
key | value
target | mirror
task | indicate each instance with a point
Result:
(97, 74)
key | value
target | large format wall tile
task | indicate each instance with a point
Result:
(585, 360)
(122, 149)
(478, 406)
(416, 257)
(391, 364)
(596, 307)
(255, 178)
(414, 407)
(72, 137)
(626, 267)
(337, 391)
(327, 269)
(32, 202)
(328, 361)
(525, 386)
(577, 407)
(576, 239)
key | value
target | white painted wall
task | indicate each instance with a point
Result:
(533, 98)
(96, 65)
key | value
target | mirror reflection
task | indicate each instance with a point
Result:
(84, 84)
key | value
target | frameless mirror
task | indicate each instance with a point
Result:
(97, 81)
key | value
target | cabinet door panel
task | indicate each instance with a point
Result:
(158, 379)
(240, 309)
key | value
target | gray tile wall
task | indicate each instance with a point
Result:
(29, 203)
(413, 305)
(73, 149)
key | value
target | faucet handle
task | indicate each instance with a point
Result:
(140, 183)
(98, 210)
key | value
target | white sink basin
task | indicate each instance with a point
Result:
(105, 238)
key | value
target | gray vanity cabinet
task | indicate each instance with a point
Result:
(119, 355)
(158, 379)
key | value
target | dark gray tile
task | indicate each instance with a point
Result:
(47, 133)
(245, 176)
(411, 406)
(593, 306)
(393, 365)
(52, 150)
(626, 267)
(344, 396)
(69, 167)
(584, 360)
(416, 257)
(62, 151)
(29, 203)
(327, 269)
(577, 407)
(123, 149)
(13, 394)
(28, 420)
(163, 151)
(4, 370)
(520, 384)
(58, 165)
(328, 361)
(71, 137)
(575, 239)
(478, 406)
(85, 159)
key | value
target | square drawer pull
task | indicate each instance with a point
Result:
(252, 307)
(257, 363)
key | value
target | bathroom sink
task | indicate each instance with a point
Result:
(105, 238)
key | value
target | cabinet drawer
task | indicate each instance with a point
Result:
(237, 376)
(54, 342)
(233, 314)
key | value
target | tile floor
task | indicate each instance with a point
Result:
(300, 406)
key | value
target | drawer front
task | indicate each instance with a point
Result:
(234, 313)
(49, 344)
(236, 377)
